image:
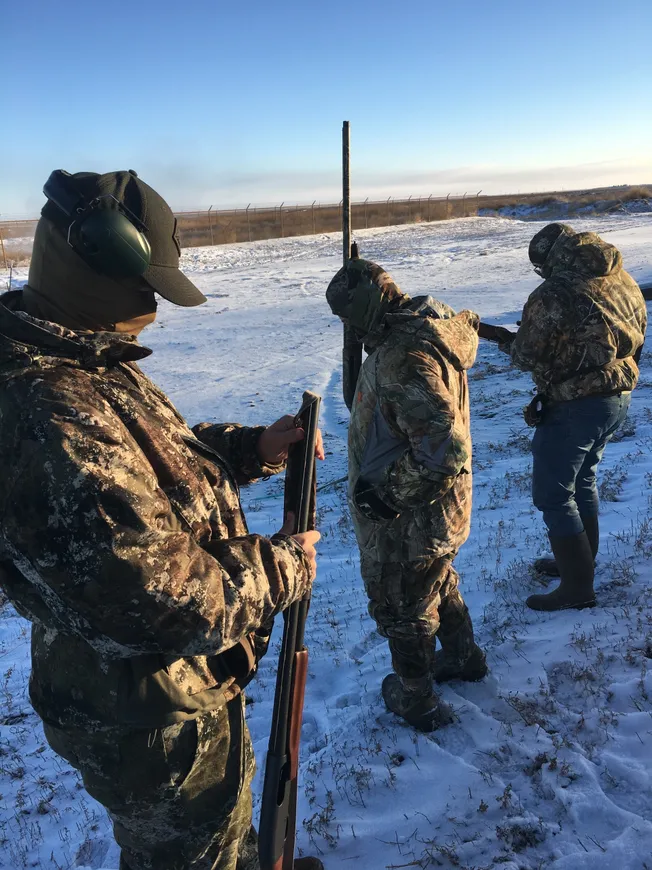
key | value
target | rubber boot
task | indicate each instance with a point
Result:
(308, 864)
(549, 567)
(592, 529)
(574, 557)
(416, 702)
(460, 658)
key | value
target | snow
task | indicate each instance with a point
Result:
(549, 764)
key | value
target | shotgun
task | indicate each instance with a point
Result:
(496, 333)
(278, 811)
(351, 354)
(351, 347)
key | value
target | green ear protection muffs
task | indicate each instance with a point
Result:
(110, 239)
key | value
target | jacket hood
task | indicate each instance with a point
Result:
(361, 294)
(25, 340)
(427, 319)
(584, 253)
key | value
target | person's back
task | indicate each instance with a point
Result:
(582, 327)
(412, 390)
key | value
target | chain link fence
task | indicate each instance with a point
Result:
(224, 226)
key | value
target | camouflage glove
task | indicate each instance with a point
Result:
(533, 413)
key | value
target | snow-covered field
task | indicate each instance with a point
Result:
(550, 762)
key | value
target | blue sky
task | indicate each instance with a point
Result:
(229, 103)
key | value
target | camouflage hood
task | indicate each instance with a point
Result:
(427, 319)
(582, 329)
(24, 341)
(584, 254)
(361, 294)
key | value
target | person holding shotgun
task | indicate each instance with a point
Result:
(410, 481)
(122, 536)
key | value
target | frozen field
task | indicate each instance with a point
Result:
(550, 762)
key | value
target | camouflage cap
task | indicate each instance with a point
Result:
(361, 293)
(542, 242)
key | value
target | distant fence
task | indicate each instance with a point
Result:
(224, 226)
(253, 223)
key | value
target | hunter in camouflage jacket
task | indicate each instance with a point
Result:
(122, 537)
(409, 434)
(582, 328)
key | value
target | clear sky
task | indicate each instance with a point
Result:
(222, 104)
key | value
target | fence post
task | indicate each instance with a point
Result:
(477, 202)
(429, 198)
(464, 205)
(365, 213)
(280, 211)
(210, 224)
(2, 246)
(389, 223)
(312, 208)
(410, 208)
(248, 221)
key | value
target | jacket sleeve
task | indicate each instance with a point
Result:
(425, 411)
(88, 526)
(237, 444)
(535, 344)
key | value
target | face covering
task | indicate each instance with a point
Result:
(63, 289)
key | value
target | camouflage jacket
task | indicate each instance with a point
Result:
(121, 534)
(581, 329)
(409, 435)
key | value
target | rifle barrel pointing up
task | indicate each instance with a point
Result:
(346, 192)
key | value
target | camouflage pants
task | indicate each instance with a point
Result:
(411, 602)
(179, 797)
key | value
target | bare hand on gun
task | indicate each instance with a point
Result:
(306, 540)
(275, 441)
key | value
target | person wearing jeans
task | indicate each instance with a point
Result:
(581, 336)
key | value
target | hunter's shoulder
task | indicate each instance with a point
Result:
(554, 297)
(627, 285)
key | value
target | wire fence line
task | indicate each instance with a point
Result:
(223, 226)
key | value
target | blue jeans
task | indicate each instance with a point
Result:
(566, 450)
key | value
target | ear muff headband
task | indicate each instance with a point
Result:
(110, 240)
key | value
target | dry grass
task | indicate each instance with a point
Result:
(16, 256)
(635, 193)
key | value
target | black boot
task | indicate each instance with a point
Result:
(592, 529)
(460, 658)
(416, 702)
(549, 566)
(574, 557)
(308, 864)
